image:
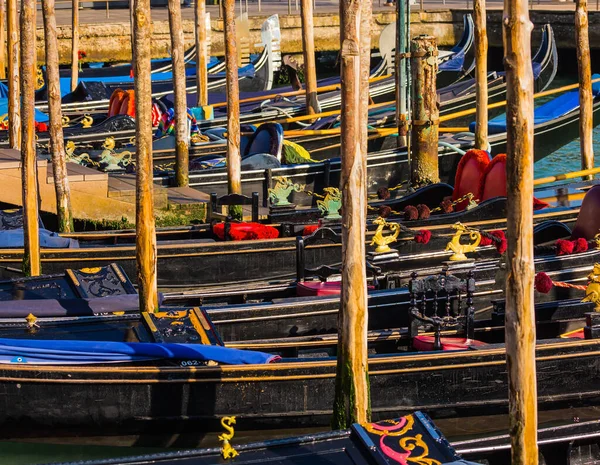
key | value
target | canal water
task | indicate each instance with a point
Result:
(20, 452)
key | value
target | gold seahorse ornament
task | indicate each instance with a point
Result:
(112, 159)
(592, 291)
(383, 242)
(461, 249)
(227, 450)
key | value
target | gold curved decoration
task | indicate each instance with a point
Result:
(461, 249)
(87, 122)
(383, 242)
(227, 450)
(39, 79)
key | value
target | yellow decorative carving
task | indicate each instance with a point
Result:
(382, 242)
(227, 450)
(31, 320)
(410, 421)
(461, 249)
(91, 270)
(592, 291)
(39, 79)
(410, 444)
(597, 240)
(87, 122)
(65, 120)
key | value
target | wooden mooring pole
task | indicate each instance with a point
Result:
(586, 113)
(74, 45)
(481, 91)
(182, 132)
(233, 104)
(144, 203)
(352, 399)
(520, 314)
(57, 144)
(3, 46)
(401, 71)
(308, 45)
(14, 93)
(31, 251)
(201, 53)
(425, 112)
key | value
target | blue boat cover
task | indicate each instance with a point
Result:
(87, 352)
(13, 238)
(549, 111)
(65, 82)
(455, 63)
(3, 90)
(39, 116)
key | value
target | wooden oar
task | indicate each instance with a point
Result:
(293, 93)
(564, 176)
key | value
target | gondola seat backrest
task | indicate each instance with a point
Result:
(470, 169)
(444, 302)
(588, 220)
(114, 104)
(128, 104)
(268, 139)
(493, 181)
(322, 286)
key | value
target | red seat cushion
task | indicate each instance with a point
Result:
(246, 231)
(493, 182)
(314, 288)
(468, 173)
(425, 343)
(588, 220)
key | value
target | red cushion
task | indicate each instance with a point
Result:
(493, 182)
(468, 173)
(313, 288)
(425, 343)
(588, 220)
(246, 231)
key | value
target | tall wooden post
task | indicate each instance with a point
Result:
(520, 315)
(75, 45)
(481, 91)
(3, 46)
(182, 132)
(201, 53)
(144, 205)
(14, 93)
(401, 71)
(31, 252)
(425, 111)
(352, 401)
(57, 144)
(308, 45)
(233, 101)
(586, 115)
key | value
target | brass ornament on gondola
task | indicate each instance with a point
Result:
(227, 451)
(284, 186)
(382, 242)
(332, 203)
(457, 247)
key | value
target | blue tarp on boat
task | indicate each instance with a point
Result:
(3, 90)
(65, 82)
(92, 352)
(13, 238)
(39, 116)
(549, 111)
